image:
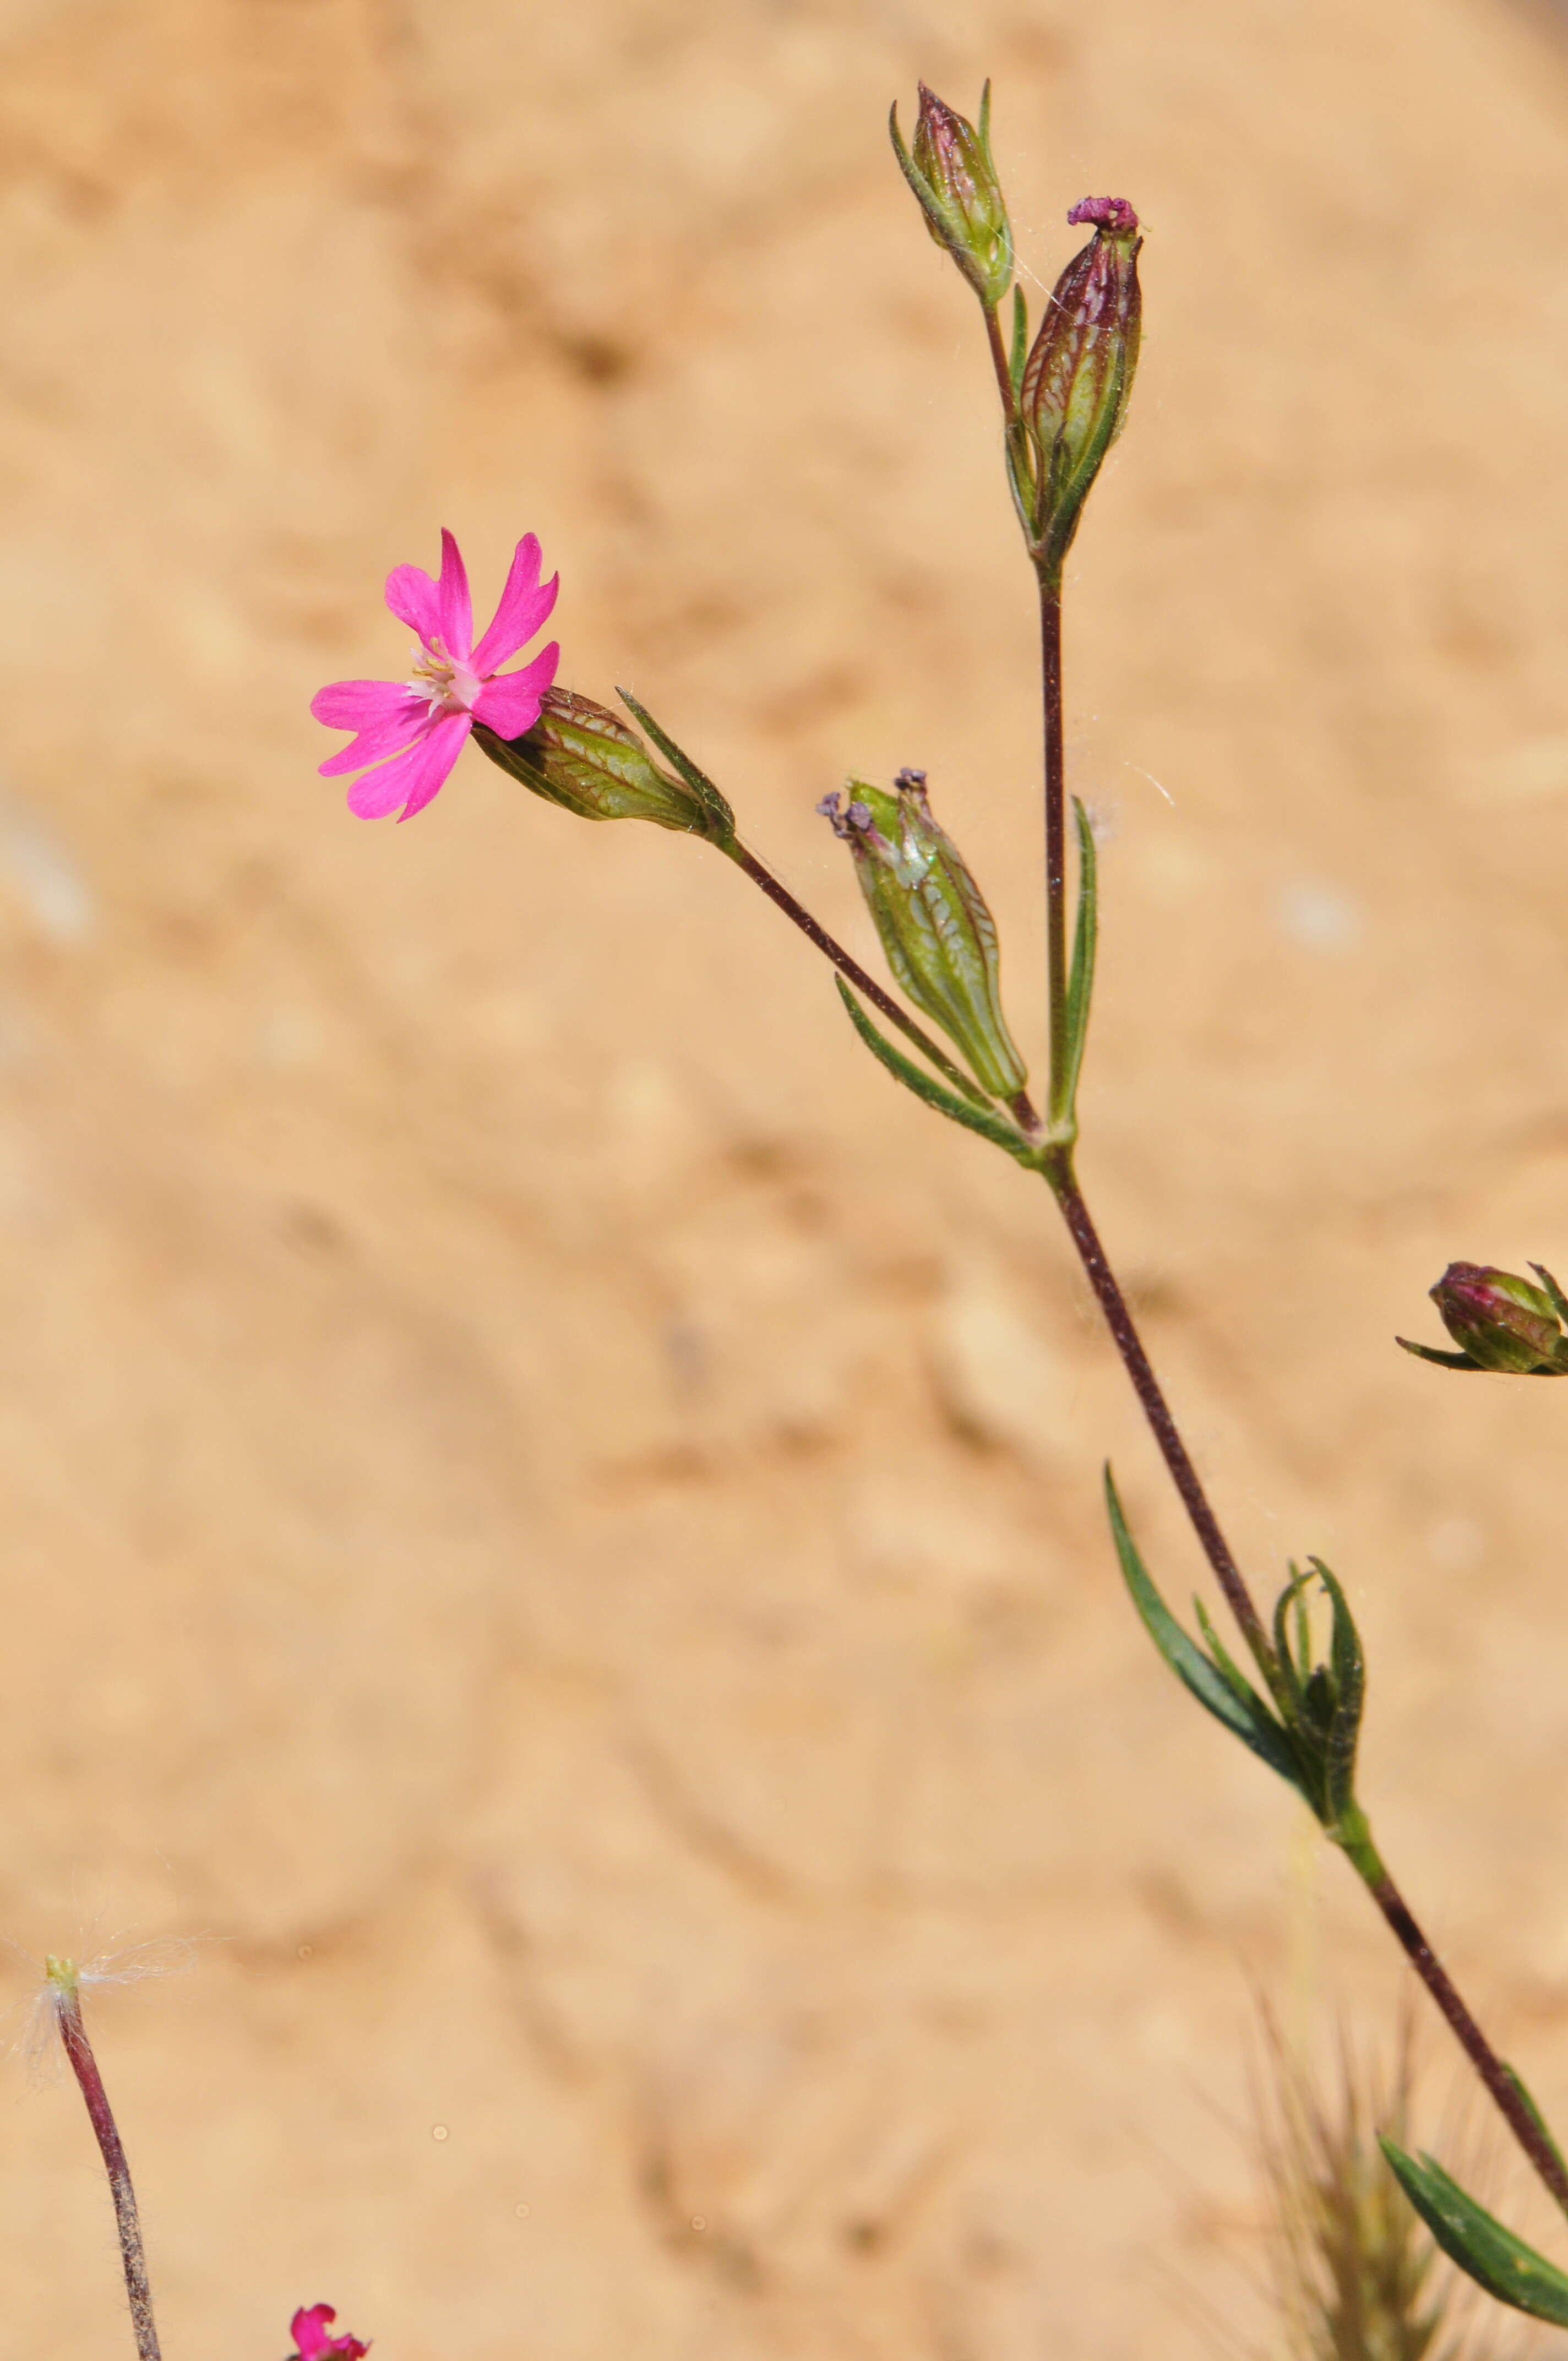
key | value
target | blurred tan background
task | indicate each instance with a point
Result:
(549, 1516)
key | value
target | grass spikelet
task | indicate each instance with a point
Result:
(1355, 2275)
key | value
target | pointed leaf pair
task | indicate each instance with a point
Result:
(973, 1112)
(1477, 2242)
(1217, 1682)
(1327, 1699)
(1308, 1728)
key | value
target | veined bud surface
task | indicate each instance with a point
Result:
(1501, 1321)
(938, 936)
(582, 757)
(1079, 375)
(953, 177)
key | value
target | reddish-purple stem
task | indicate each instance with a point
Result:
(84, 2065)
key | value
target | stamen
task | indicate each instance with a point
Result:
(444, 682)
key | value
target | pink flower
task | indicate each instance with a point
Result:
(420, 725)
(310, 2328)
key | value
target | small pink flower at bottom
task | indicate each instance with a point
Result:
(310, 2330)
(413, 733)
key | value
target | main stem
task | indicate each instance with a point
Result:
(1055, 848)
(1365, 1862)
(84, 2065)
(1158, 1412)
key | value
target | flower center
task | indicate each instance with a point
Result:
(446, 683)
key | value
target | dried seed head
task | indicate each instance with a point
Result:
(936, 929)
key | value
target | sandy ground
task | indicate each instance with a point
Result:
(549, 1516)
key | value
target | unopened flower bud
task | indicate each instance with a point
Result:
(937, 934)
(584, 758)
(952, 174)
(1500, 1321)
(1079, 375)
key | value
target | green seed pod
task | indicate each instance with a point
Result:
(954, 180)
(585, 758)
(1078, 377)
(939, 937)
(1500, 1321)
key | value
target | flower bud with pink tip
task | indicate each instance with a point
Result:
(1499, 1322)
(1078, 377)
(954, 181)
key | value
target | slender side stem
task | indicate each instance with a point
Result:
(780, 895)
(84, 2065)
(1056, 842)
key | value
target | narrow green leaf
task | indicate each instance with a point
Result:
(1229, 1670)
(1444, 1361)
(1537, 2118)
(990, 1126)
(1240, 1686)
(1252, 1724)
(1020, 351)
(1471, 2237)
(1347, 1662)
(1294, 1669)
(1081, 977)
(699, 781)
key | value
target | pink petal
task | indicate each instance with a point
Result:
(510, 704)
(410, 779)
(415, 601)
(390, 721)
(456, 607)
(309, 2330)
(312, 2341)
(524, 609)
(387, 733)
(356, 704)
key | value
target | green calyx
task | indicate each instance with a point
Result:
(954, 180)
(584, 758)
(937, 934)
